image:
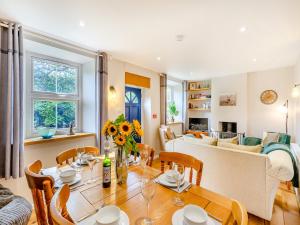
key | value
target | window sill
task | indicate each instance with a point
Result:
(56, 138)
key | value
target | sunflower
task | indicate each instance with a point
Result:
(136, 124)
(125, 128)
(105, 127)
(112, 130)
(139, 131)
(120, 140)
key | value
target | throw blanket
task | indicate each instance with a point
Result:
(282, 147)
(6, 196)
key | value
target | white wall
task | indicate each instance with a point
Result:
(297, 103)
(234, 84)
(151, 98)
(263, 117)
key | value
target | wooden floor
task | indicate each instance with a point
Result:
(285, 212)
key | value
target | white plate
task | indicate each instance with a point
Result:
(177, 219)
(77, 179)
(162, 179)
(124, 220)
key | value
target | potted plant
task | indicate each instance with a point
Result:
(122, 133)
(172, 111)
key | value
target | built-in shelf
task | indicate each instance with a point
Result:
(200, 109)
(199, 99)
(199, 89)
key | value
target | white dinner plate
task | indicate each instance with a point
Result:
(124, 220)
(177, 219)
(59, 183)
(162, 179)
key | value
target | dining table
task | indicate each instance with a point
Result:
(87, 198)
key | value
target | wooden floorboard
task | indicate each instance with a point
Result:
(285, 211)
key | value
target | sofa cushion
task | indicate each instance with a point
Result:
(208, 140)
(254, 149)
(233, 140)
(284, 139)
(269, 137)
(251, 141)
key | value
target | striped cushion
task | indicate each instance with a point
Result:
(17, 212)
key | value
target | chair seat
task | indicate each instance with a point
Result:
(17, 212)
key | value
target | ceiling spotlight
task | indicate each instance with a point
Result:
(243, 29)
(254, 60)
(158, 58)
(81, 23)
(179, 37)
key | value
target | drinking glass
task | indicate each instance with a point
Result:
(91, 163)
(148, 188)
(179, 176)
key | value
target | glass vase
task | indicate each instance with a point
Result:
(121, 166)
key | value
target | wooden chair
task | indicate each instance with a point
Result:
(58, 207)
(92, 150)
(150, 150)
(42, 189)
(240, 216)
(185, 160)
(65, 156)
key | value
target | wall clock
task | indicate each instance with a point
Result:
(268, 97)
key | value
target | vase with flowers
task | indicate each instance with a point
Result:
(123, 134)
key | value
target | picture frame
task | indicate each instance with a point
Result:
(228, 99)
(192, 85)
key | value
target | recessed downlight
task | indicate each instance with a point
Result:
(254, 59)
(158, 58)
(179, 37)
(243, 29)
(81, 23)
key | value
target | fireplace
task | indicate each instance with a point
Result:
(199, 124)
(229, 127)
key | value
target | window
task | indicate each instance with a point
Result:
(55, 94)
(175, 95)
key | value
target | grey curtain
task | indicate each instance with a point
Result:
(163, 98)
(101, 97)
(11, 101)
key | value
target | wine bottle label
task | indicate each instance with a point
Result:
(106, 174)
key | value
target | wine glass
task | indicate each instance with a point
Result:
(148, 188)
(179, 177)
(144, 157)
(91, 162)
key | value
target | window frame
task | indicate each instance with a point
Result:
(39, 95)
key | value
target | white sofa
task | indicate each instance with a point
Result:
(251, 178)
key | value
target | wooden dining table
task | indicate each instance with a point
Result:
(86, 199)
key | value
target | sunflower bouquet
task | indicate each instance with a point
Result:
(123, 133)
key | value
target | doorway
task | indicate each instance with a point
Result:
(133, 103)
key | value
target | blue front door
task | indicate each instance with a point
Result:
(133, 105)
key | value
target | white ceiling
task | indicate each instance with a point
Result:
(139, 31)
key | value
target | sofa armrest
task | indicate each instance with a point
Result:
(281, 166)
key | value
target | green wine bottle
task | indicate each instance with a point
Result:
(106, 169)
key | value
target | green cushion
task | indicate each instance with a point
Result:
(284, 139)
(251, 141)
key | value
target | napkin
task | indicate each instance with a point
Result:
(181, 188)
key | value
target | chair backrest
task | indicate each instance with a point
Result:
(65, 156)
(150, 150)
(185, 160)
(58, 207)
(42, 189)
(239, 212)
(92, 150)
